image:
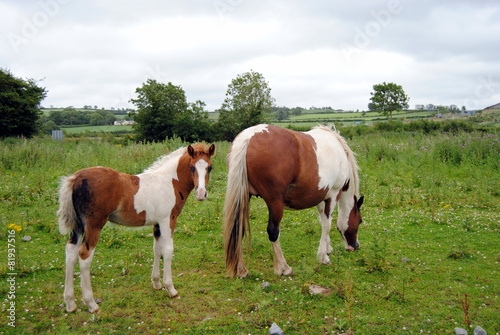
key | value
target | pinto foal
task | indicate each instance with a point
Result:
(91, 197)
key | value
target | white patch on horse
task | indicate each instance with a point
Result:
(248, 133)
(201, 168)
(156, 194)
(327, 147)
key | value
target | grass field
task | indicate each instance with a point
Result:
(428, 262)
(96, 129)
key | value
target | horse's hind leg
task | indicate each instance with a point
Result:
(325, 215)
(275, 215)
(72, 248)
(86, 254)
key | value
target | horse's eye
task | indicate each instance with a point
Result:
(209, 168)
(192, 168)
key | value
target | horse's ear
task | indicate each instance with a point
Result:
(360, 201)
(211, 150)
(190, 151)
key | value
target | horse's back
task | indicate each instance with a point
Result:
(103, 191)
(282, 165)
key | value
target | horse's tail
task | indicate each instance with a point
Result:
(66, 212)
(236, 205)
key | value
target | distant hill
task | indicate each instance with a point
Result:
(493, 107)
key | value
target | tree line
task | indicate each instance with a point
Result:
(163, 112)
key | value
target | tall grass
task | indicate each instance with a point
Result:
(429, 238)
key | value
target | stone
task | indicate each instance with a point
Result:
(26, 238)
(275, 330)
(480, 331)
(460, 331)
(264, 285)
(316, 289)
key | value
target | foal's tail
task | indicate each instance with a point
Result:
(66, 212)
(236, 205)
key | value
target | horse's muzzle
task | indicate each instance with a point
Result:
(352, 247)
(201, 194)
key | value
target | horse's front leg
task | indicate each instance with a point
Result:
(163, 246)
(325, 209)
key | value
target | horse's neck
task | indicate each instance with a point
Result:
(175, 171)
(184, 175)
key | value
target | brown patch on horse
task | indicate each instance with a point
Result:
(343, 189)
(298, 181)
(328, 204)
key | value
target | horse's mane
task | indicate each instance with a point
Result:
(351, 156)
(160, 162)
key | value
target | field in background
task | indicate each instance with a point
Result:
(428, 260)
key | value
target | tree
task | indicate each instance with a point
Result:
(19, 105)
(194, 125)
(248, 102)
(387, 98)
(158, 106)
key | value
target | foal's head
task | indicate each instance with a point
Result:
(200, 166)
(350, 234)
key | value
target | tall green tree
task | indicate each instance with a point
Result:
(19, 105)
(387, 98)
(248, 102)
(194, 125)
(159, 106)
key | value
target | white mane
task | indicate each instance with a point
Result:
(165, 159)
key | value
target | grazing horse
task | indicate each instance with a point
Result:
(292, 170)
(91, 197)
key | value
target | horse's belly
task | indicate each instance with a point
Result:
(130, 219)
(301, 198)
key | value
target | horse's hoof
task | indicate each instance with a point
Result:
(71, 310)
(71, 307)
(157, 286)
(94, 309)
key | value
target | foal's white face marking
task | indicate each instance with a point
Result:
(201, 168)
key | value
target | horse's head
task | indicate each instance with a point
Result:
(200, 166)
(350, 234)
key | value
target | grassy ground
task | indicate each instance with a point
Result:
(428, 262)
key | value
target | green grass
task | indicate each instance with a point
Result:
(429, 239)
(84, 129)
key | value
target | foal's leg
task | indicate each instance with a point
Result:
(86, 254)
(163, 246)
(72, 248)
(325, 210)
(275, 215)
(87, 294)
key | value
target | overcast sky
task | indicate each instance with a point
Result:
(312, 53)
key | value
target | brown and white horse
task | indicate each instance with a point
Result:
(293, 170)
(91, 197)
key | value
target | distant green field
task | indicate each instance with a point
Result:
(357, 116)
(92, 129)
